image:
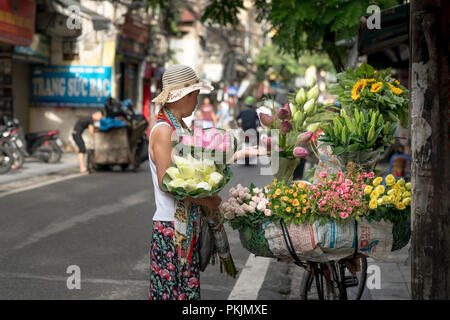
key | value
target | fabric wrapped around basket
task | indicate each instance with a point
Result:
(332, 241)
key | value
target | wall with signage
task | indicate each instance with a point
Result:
(70, 86)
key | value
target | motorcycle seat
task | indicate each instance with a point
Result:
(36, 135)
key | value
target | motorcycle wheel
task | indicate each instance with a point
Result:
(6, 160)
(55, 153)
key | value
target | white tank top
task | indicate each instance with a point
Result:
(165, 202)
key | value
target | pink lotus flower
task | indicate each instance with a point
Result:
(303, 138)
(285, 127)
(266, 120)
(300, 152)
(284, 113)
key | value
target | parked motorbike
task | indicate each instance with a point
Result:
(45, 145)
(6, 158)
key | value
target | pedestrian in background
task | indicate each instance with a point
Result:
(248, 117)
(209, 118)
(77, 134)
(223, 115)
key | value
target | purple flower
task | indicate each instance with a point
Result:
(285, 112)
(300, 152)
(266, 120)
(285, 127)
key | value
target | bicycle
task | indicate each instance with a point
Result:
(344, 279)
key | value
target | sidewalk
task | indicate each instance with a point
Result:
(34, 168)
(395, 271)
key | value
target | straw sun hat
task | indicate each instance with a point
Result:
(179, 80)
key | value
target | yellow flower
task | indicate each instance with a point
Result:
(376, 87)
(291, 191)
(298, 215)
(401, 182)
(395, 90)
(275, 180)
(402, 189)
(406, 201)
(302, 184)
(373, 204)
(303, 200)
(304, 210)
(406, 194)
(377, 181)
(400, 206)
(295, 203)
(368, 189)
(304, 196)
(385, 199)
(268, 186)
(408, 186)
(276, 207)
(374, 195)
(380, 202)
(380, 189)
(278, 192)
(288, 209)
(390, 180)
(358, 88)
(295, 195)
(396, 82)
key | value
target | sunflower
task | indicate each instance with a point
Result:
(376, 87)
(395, 90)
(358, 88)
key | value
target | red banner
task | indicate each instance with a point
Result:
(17, 21)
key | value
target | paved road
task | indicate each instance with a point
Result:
(102, 223)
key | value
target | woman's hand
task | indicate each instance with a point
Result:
(212, 203)
(248, 152)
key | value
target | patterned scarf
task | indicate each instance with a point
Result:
(187, 216)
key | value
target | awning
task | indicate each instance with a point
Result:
(63, 6)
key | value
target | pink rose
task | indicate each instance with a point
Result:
(267, 212)
(343, 214)
(323, 174)
(370, 175)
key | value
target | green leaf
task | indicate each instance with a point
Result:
(338, 150)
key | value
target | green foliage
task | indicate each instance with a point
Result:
(286, 66)
(302, 25)
(365, 131)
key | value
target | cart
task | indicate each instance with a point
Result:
(118, 146)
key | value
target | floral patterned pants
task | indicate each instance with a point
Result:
(167, 280)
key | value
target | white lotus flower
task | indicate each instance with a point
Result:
(186, 171)
(173, 173)
(176, 183)
(204, 185)
(189, 185)
(215, 178)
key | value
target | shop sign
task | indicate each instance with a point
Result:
(38, 49)
(70, 86)
(17, 21)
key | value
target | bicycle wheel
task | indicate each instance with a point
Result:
(324, 286)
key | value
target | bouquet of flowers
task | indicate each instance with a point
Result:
(214, 144)
(288, 202)
(390, 199)
(196, 178)
(247, 210)
(366, 88)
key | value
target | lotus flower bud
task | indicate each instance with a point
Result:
(266, 120)
(310, 81)
(284, 113)
(309, 107)
(293, 108)
(313, 93)
(313, 127)
(285, 127)
(300, 98)
(266, 141)
(299, 117)
(300, 152)
(303, 138)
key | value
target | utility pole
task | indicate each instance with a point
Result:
(429, 110)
